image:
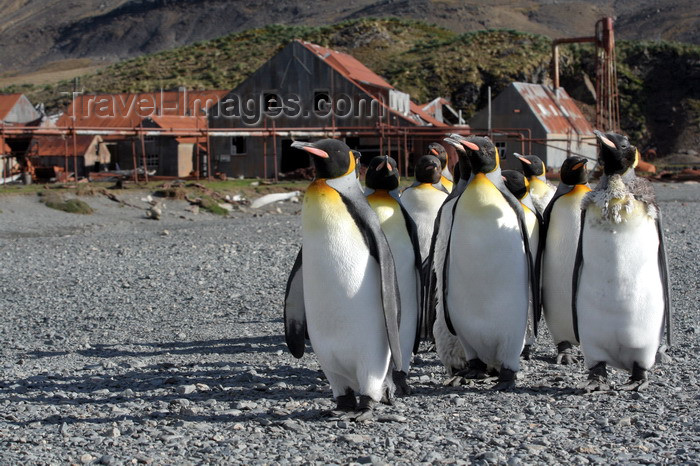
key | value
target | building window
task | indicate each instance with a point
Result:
(152, 161)
(271, 102)
(238, 145)
(501, 146)
(149, 139)
(322, 102)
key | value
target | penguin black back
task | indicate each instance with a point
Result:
(428, 169)
(382, 173)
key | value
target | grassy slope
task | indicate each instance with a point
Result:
(423, 60)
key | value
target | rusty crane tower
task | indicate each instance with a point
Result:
(607, 106)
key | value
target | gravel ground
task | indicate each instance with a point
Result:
(127, 340)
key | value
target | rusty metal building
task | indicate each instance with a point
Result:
(550, 120)
(168, 155)
(306, 92)
(51, 154)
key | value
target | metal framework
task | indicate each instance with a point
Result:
(607, 114)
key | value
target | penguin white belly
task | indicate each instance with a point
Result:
(394, 228)
(620, 301)
(488, 287)
(423, 202)
(541, 192)
(558, 265)
(344, 314)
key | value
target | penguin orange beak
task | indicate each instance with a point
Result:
(578, 165)
(601, 137)
(310, 148)
(470, 145)
(434, 151)
(524, 160)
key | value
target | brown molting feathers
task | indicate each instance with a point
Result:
(614, 188)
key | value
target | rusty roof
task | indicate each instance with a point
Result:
(127, 110)
(7, 102)
(348, 66)
(174, 122)
(366, 79)
(557, 112)
(48, 146)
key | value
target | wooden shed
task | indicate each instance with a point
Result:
(304, 92)
(551, 119)
(88, 154)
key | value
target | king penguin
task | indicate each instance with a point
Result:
(382, 181)
(561, 224)
(620, 296)
(424, 199)
(447, 345)
(541, 190)
(488, 242)
(518, 185)
(343, 290)
(438, 150)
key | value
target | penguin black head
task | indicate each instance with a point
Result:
(481, 153)
(382, 173)
(574, 171)
(532, 165)
(463, 168)
(458, 173)
(516, 183)
(332, 157)
(438, 151)
(428, 169)
(616, 154)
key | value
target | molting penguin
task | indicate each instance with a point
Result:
(439, 151)
(541, 190)
(555, 260)
(346, 294)
(518, 185)
(620, 296)
(382, 180)
(489, 241)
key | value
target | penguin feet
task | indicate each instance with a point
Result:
(476, 369)
(365, 408)
(639, 380)
(662, 356)
(402, 388)
(526, 352)
(506, 380)
(597, 379)
(345, 404)
(565, 354)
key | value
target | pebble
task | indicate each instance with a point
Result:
(171, 351)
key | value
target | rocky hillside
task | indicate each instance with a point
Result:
(659, 81)
(35, 33)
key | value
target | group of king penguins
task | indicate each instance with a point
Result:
(471, 262)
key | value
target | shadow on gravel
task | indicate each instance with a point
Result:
(267, 344)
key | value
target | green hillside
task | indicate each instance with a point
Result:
(658, 80)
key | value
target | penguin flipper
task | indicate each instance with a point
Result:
(542, 242)
(368, 224)
(663, 270)
(412, 230)
(295, 311)
(577, 272)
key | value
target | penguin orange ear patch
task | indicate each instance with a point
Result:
(470, 145)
